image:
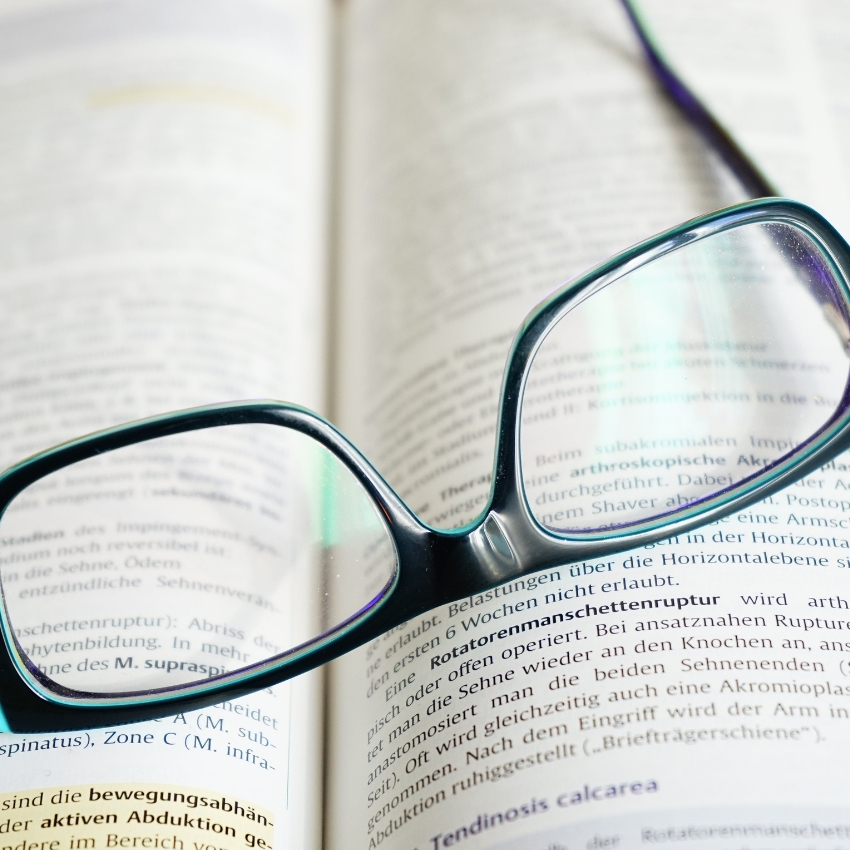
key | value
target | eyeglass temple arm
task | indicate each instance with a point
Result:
(713, 132)
(809, 266)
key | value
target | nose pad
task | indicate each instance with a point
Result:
(498, 541)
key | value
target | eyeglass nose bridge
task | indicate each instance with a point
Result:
(495, 554)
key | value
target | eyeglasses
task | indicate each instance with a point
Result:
(197, 556)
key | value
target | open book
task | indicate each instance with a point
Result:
(352, 207)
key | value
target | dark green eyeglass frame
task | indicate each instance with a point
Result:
(434, 567)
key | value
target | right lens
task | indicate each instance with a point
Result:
(185, 557)
(683, 378)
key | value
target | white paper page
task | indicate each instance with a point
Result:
(479, 174)
(162, 170)
(483, 175)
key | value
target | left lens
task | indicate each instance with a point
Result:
(682, 379)
(188, 557)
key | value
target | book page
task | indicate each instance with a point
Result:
(477, 177)
(688, 692)
(162, 170)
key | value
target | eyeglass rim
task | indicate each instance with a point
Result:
(545, 316)
(293, 417)
(434, 566)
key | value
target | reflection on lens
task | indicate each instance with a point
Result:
(187, 557)
(683, 378)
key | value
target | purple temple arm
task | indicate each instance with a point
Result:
(745, 170)
(807, 263)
